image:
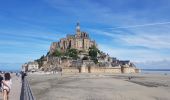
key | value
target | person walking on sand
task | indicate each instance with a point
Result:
(6, 86)
(23, 74)
(2, 83)
(1, 78)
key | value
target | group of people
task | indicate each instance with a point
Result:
(5, 85)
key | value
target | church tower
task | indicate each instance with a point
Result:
(78, 33)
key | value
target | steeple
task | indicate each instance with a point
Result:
(78, 33)
(78, 27)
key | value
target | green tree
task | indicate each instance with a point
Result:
(48, 53)
(93, 53)
(42, 57)
(57, 53)
(72, 53)
(40, 60)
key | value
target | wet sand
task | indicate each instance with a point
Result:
(101, 87)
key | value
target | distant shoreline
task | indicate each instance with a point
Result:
(155, 69)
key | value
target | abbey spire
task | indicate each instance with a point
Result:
(78, 27)
(78, 32)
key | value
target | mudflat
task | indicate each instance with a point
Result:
(100, 86)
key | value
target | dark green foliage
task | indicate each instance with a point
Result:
(40, 61)
(85, 58)
(93, 53)
(42, 57)
(48, 53)
(73, 53)
(57, 53)
(95, 60)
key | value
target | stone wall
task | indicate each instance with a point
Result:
(128, 70)
(105, 70)
(137, 70)
(113, 70)
(92, 70)
(70, 70)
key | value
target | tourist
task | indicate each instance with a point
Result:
(17, 74)
(130, 77)
(6, 86)
(1, 78)
(1, 82)
(23, 74)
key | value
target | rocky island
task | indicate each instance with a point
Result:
(77, 53)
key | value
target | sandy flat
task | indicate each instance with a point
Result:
(101, 87)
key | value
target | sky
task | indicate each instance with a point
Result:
(136, 30)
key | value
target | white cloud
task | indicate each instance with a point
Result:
(148, 41)
(143, 25)
(146, 44)
(135, 55)
(38, 35)
(100, 32)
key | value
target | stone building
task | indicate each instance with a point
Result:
(30, 67)
(33, 66)
(80, 41)
(24, 67)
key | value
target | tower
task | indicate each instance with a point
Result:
(78, 33)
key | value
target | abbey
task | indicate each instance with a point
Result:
(80, 41)
(86, 58)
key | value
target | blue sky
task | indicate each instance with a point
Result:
(137, 30)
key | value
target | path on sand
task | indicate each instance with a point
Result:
(15, 90)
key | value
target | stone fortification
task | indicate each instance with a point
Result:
(79, 54)
(113, 70)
